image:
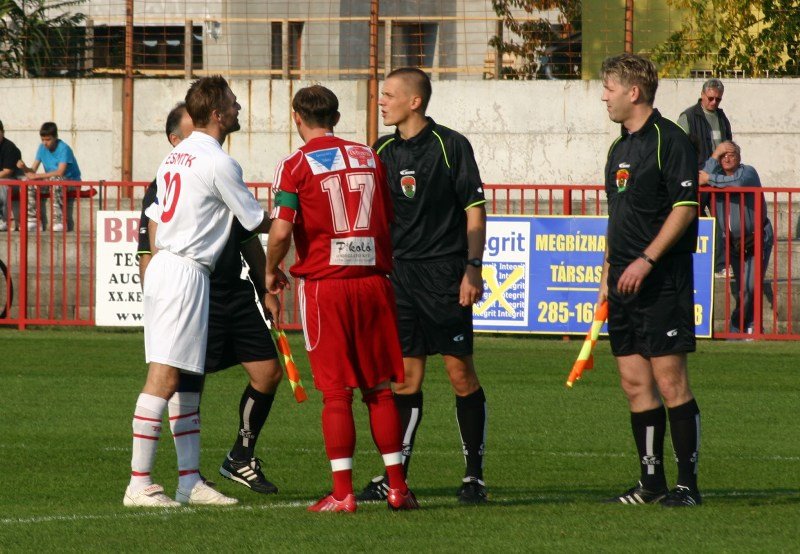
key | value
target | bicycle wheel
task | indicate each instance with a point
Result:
(6, 290)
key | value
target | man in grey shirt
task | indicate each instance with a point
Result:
(707, 127)
(705, 122)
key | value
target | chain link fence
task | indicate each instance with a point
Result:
(453, 39)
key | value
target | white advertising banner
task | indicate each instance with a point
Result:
(118, 298)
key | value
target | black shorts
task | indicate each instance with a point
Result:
(659, 319)
(429, 318)
(237, 331)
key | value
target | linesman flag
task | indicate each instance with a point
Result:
(282, 343)
(585, 358)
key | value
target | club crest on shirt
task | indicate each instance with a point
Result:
(325, 161)
(360, 156)
(408, 183)
(623, 176)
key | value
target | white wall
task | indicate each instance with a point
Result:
(554, 132)
(87, 112)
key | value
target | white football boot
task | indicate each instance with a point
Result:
(202, 494)
(151, 496)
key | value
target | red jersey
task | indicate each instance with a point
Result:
(337, 195)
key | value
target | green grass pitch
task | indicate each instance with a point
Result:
(66, 400)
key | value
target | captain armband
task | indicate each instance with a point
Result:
(285, 199)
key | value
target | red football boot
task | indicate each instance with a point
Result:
(330, 504)
(399, 501)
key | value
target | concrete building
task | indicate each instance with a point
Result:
(299, 39)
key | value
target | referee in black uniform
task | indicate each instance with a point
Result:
(438, 238)
(237, 331)
(651, 182)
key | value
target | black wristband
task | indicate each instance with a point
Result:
(475, 262)
(648, 259)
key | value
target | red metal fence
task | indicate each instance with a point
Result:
(53, 284)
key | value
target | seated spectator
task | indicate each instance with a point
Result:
(724, 169)
(59, 165)
(9, 156)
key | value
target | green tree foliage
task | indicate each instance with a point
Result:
(37, 37)
(529, 38)
(756, 37)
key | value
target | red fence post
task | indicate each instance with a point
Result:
(519, 199)
(23, 255)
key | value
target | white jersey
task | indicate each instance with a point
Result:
(199, 191)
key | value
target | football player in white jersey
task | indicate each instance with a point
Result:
(200, 192)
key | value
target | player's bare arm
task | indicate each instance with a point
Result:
(257, 261)
(675, 225)
(264, 226)
(602, 293)
(280, 239)
(472, 282)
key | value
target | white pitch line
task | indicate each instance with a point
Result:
(135, 513)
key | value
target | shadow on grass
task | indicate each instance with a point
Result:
(508, 496)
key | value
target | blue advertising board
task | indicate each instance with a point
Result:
(541, 274)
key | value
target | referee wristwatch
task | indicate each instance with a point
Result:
(475, 262)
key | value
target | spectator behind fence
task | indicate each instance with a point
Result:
(9, 156)
(724, 169)
(59, 165)
(708, 126)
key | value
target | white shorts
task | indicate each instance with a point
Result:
(176, 312)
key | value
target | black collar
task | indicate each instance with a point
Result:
(420, 137)
(646, 127)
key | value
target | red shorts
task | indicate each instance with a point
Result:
(350, 327)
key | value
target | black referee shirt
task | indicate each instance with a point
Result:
(647, 174)
(433, 179)
(228, 270)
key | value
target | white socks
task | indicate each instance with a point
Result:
(146, 432)
(184, 422)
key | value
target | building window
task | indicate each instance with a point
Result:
(413, 44)
(295, 29)
(154, 48)
(57, 52)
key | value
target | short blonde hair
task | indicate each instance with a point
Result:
(630, 70)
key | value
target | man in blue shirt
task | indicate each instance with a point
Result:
(59, 164)
(724, 169)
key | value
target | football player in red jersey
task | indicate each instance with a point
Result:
(333, 197)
